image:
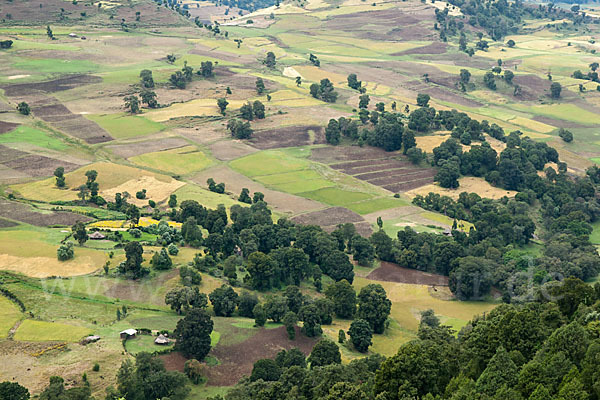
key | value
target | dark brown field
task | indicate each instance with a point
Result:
(25, 213)
(375, 166)
(390, 272)
(291, 136)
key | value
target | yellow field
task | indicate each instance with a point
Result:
(181, 161)
(314, 74)
(407, 303)
(156, 190)
(467, 184)
(33, 253)
(428, 143)
(198, 107)
(109, 176)
(532, 125)
(41, 331)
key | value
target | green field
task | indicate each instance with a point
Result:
(122, 126)
(9, 315)
(29, 135)
(41, 331)
(49, 66)
(180, 161)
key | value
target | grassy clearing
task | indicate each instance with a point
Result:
(27, 134)
(41, 331)
(9, 315)
(336, 196)
(181, 161)
(144, 343)
(122, 126)
(409, 300)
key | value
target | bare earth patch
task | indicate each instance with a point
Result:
(291, 136)
(237, 360)
(330, 218)
(390, 272)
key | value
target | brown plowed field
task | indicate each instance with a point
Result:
(375, 166)
(330, 218)
(237, 360)
(7, 126)
(38, 166)
(25, 213)
(291, 136)
(46, 107)
(390, 272)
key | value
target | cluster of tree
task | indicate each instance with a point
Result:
(215, 187)
(355, 84)
(545, 349)
(239, 129)
(324, 91)
(244, 196)
(249, 5)
(385, 131)
(147, 378)
(249, 111)
(23, 108)
(514, 169)
(592, 75)
(314, 60)
(501, 18)
(180, 79)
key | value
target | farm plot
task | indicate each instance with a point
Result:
(330, 218)
(236, 360)
(291, 136)
(181, 161)
(25, 213)
(291, 171)
(390, 272)
(377, 167)
(123, 126)
(110, 176)
(9, 315)
(41, 331)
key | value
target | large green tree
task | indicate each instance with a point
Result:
(374, 306)
(193, 333)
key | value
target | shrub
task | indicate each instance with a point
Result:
(65, 252)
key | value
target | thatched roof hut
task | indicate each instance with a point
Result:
(97, 236)
(162, 340)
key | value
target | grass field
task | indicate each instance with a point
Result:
(38, 258)
(41, 331)
(9, 315)
(181, 161)
(407, 303)
(123, 126)
(27, 134)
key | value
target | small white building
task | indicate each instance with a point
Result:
(128, 334)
